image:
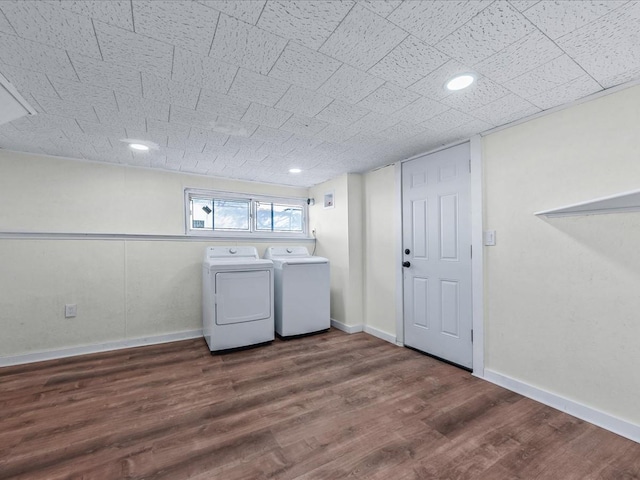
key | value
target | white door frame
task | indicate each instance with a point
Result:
(477, 261)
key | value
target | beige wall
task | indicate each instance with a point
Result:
(357, 235)
(124, 289)
(47, 194)
(332, 231)
(562, 294)
(380, 211)
(355, 221)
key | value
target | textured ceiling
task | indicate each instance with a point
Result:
(248, 89)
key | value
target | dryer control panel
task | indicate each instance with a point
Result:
(212, 253)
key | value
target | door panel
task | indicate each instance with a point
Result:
(437, 231)
(450, 300)
(421, 301)
(449, 227)
(420, 239)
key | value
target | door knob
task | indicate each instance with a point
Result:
(406, 264)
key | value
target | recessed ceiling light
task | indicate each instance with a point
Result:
(460, 81)
(139, 146)
(294, 170)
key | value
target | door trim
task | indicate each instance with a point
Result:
(399, 272)
(477, 261)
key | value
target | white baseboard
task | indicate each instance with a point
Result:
(100, 347)
(583, 412)
(346, 328)
(364, 328)
(380, 334)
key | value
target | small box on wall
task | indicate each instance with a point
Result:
(329, 199)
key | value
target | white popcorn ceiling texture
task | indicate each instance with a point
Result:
(248, 89)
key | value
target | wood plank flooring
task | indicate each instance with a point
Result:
(329, 406)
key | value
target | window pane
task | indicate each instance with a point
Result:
(201, 217)
(263, 216)
(230, 214)
(278, 218)
(287, 218)
(233, 213)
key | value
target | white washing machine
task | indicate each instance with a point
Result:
(301, 291)
(237, 298)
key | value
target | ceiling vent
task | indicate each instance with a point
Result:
(12, 105)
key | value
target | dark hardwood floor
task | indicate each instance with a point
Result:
(330, 406)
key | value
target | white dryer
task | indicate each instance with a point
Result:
(237, 298)
(301, 291)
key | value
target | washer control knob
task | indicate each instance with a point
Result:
(289, 250)
(233, 250)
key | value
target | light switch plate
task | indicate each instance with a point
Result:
(489, 238)
(70, 310)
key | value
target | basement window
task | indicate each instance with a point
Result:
(229, 214)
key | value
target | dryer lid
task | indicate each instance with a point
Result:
(234, 255)
(235, 263)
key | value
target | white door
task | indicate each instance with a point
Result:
(436, 248)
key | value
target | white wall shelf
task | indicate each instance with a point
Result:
(620, 203)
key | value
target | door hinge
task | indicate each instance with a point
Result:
(471, 335)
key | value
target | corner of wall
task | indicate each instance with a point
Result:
(355, 298)
(381, 213)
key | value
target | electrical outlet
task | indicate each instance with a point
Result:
(70, 310)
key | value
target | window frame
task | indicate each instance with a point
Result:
(253, 232)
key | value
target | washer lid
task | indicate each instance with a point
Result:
(279, 262)
(286, 252)
(292, 256)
